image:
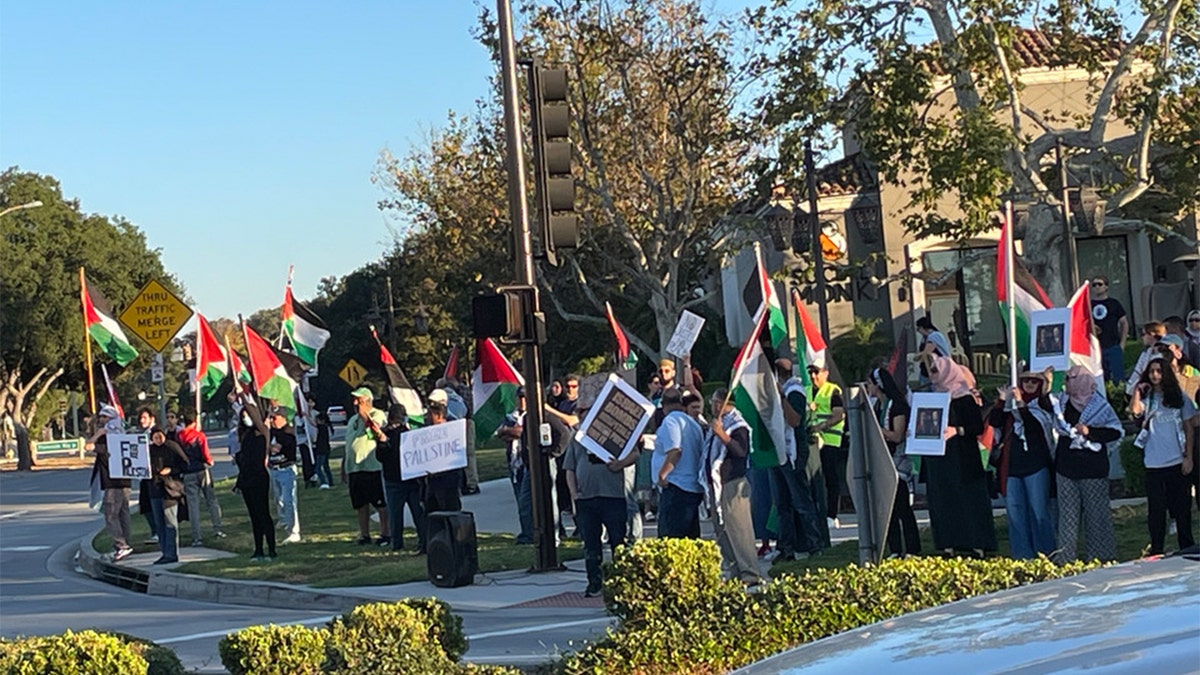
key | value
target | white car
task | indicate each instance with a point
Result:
(336, 414)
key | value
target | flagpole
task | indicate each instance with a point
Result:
(87, 342)
(1010, 290)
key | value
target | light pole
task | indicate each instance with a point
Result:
(31, 205)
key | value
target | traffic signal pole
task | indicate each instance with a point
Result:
(545, 550)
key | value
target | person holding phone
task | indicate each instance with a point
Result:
(1168, 421)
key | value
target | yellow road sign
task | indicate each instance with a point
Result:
(353, 373)
(156, 315)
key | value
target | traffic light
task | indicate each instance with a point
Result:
(552, 160)
(508, 315)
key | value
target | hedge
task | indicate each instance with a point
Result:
(160, 660)
(684, 621)
(273, 650)
(84, 653)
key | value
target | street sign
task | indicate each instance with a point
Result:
(156, 315)
(156, 374)
(353, 373)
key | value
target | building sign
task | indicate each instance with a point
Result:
(156, 315)
(859, 286)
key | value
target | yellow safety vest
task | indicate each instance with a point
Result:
(822, 410)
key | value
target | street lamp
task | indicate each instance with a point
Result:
(31, 205)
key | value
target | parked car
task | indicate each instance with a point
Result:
(1142, 616)
(336, 414)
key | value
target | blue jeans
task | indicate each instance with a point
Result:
(399, 493)
(593, 516)
(283, 484)
(166, 526)
(524, 497)
(679, 513)
(324, 473)
(760, 502)
(797, 512)
(1030, 529)
(1112, 359)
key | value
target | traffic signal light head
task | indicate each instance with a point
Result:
(552, 160)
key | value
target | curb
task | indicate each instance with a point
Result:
(211, 589)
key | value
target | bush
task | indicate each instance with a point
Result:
(671, 578)
(445, 627)
(1132, 461)
(726, 628)
(385, 638)
(83, 653)
(273, 650)
(161, 660)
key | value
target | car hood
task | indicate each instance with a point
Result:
(1143, 615)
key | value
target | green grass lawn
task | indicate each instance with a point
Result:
(328, 555)
(1129, 523)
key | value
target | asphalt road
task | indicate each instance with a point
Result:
(44, 514)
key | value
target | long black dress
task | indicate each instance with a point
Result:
(960, 510)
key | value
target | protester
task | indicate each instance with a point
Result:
(801, 524)
(904, 539)
(960, 511)
(554, 394)
(397, 491)
(1152, 332)
(1025, 463)
(1168, 421)
(567, 411)
(172, 427)
(1086, 423)
(282, 463)
(167, 464)
(828, 420)
(145, 422)
(693, 405)
(933, 341)
(1111, 326)
(305, 426)
(116, 490)
(441, 488)
(457, 409)
(361, 468)
(1192, 338)
(197, 479)
(678, 450)
(726, 457)
(321, 449)
(254, 481)
(520, 463)
(598, 492)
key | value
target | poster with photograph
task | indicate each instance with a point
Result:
(686, 332)
(927, 423)
(1049, 337)
(128, 456)
(616, 420)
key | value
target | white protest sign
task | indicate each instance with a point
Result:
(686, 332)
(433, 449)
(927, 424)
(615, 421)
(128, 456)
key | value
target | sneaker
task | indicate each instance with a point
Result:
(324, 486)
(592, 591)
(383, 542)
(122, 553)
(153, 539)
(292, 539)
(221, 534)
(363, 541)
(165, 561)
(470, 490)
(197, 542)
(259, 558)
(770, 556)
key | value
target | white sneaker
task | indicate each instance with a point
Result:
(292, 539)
(324, 486)
(121, 553)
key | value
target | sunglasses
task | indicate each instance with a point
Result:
(572, 386)
(1099, 283)
(1194, 319)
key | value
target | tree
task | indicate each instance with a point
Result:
(944, 116)
(43, 249)
(661, 157)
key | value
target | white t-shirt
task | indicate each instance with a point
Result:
(1165, 444)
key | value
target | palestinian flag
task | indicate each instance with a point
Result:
(1028, 296)
(104, 329)
(494, 390)
(451, 372)
(270, 375)
(1085, 347)
(756, 397)
(112, 392)
(626, 358)
(759, 296)
(241, 374)
(304, 330)
(212, 364)
(810, 344)
(401, 391)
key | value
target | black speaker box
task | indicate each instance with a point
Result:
(453, 558)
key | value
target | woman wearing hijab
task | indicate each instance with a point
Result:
(959, 508)
(254, 482)
(1167, 419)
(1086, 423)
(904, 539)
(1025, 464)
(1191, 337)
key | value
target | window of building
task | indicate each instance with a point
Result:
(1108, 256)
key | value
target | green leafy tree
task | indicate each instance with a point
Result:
(933, 90)
(42, 322)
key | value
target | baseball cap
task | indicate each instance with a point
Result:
(108, 411)
(1171, 339)
(362, 392)
(438, 396)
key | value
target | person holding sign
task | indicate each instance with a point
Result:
(396, 491)
(598, 492)
(960, 510)
(116, 490)
(1025, 463)
(441, 489)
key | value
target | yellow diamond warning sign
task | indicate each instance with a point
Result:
(156, 315)
(353, 373)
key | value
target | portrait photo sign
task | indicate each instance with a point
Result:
(686, 332)
(927, 424)
(1049, 337)
(128, 455)
(433, 449)
(616, 420)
